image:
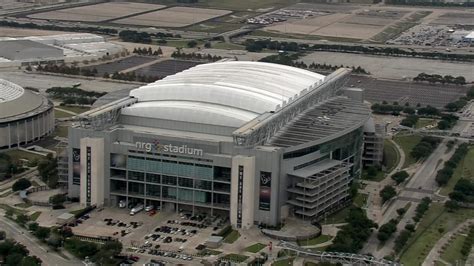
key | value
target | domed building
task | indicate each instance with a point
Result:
(256, 142)
(25, 116)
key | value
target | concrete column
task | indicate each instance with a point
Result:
(242, 196)
(92, 171)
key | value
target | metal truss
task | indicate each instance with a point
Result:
(336, 257)
(251, 135)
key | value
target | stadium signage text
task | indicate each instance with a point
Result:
(156, 146)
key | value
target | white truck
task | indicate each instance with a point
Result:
(136, 209)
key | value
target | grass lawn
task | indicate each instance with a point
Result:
(283, 262)
(428, 232)
(61, 114)
(423, 122)
(391, 155)
(314, 241)
(77, 211)
(464, 169)
(15, 210)
(75, 109)
(360, 200)
(60, 131)
(35, 216)
(235, 257)
(407, 142)
(232, 237)
(180, 43)
(16, 155)
(255, 247)
(214, 26)
(230, 46)
(379, 177)
(453, 250)
(23, 205)
(337, 217)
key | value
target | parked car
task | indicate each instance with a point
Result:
(149, 208)
(136, 209)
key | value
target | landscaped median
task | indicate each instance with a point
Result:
(255, 247)
(434, 224)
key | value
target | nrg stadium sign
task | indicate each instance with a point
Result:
(157, 147)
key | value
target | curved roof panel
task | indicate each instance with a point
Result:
(206, 113)
(17, 103)
(246, 88)
(9, 91)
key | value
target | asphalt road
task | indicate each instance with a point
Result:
(420, 185)
(34, 246)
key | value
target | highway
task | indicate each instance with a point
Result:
(33, 245)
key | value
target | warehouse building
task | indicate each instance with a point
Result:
(25, 116)
(28, 50)
(254, 141)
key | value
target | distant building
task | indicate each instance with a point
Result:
(29, 50)
(25, 116)
(36, 50)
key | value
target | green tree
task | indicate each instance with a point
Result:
(21, 184)
(399, 177)
(42, 233)
(192, 44)
(387, 193)
(57, 199)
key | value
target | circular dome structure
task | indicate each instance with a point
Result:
(25, 116)
(227, 93)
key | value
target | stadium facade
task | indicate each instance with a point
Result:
(254, 141)
(25, 116)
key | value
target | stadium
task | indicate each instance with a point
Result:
(25, 116)
(256, 142)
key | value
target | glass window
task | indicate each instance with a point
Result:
(222, 173)
(136, 163)
(138, 176)
(221, 200)
(168, 180)
(118, 174)
(169, 193)
(202, 197)
(118, 186)
(185, 194)
(153, 190)
(202, 184)
(136, 188)
(224, 187)
(153, 178)
(170, 167)
(153, 165)
(185, 182)
(204, 171)
(186, 169)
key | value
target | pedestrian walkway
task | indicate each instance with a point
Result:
(437, 250)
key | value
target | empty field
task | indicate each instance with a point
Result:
(174, 17)
(454, 18)
(96, 13)
(121, 64)
(340, 21)
(166, 68)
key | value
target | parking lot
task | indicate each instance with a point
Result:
(162, 235)
(121, 64)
